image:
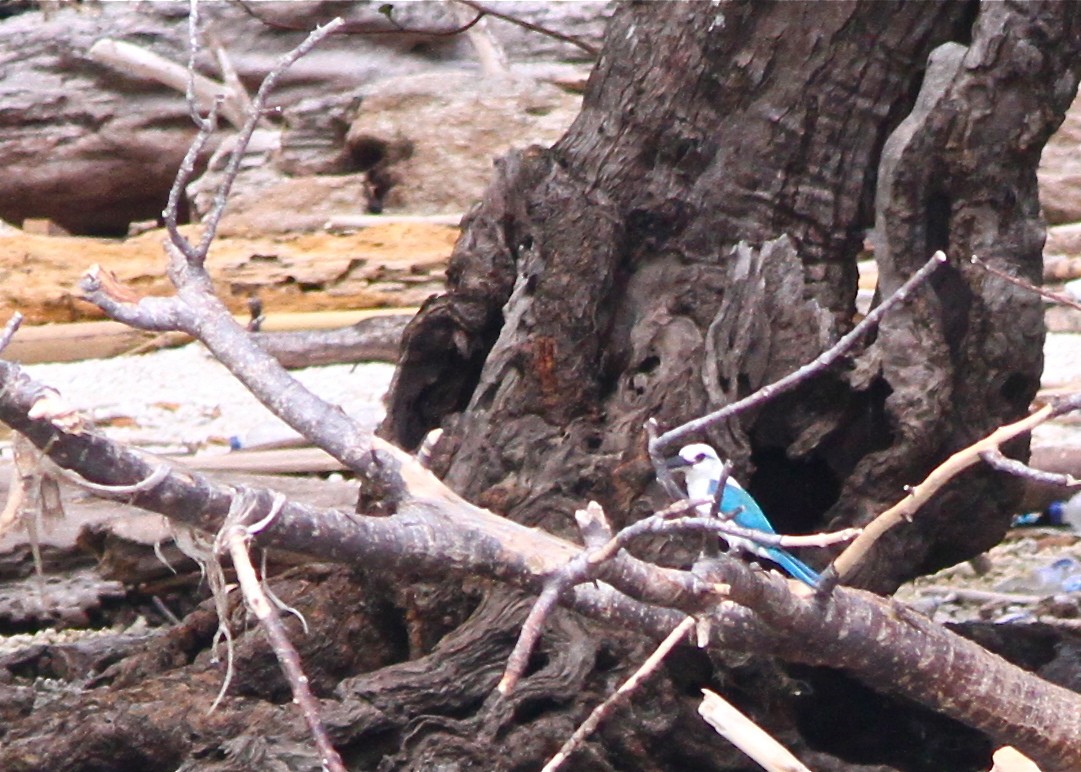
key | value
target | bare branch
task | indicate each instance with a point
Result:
(997, 460)
(202, 92)
(255, 115)
(493, 59)
(527, 639)
(590, 564)
(1017, 281)
(207, 127)
(847, 562)
(488, 11)
(231, 77)
(436, 533)
(234, 537)
(10, 329)
(366, 27)
(660, 469)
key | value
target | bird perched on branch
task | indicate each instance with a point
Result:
(703, 468)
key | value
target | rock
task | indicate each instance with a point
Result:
(428, 141)
(1060, 171)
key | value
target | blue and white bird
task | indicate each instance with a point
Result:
(702, 468)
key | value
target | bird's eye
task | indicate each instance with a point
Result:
(700, 457)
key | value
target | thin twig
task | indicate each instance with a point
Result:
(193, 51)
(660, 468)
(360, 27)
(183, 174)
(582, 568)
(620, 695)
(997, 460)
(230, 77)
(819, 364)
(235, 537)
(161, 471)
(846, 563)
(255, 115)
(527, 639)
(10, 329)
(1057, 297)
(486, 10)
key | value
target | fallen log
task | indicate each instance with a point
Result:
(296, 339)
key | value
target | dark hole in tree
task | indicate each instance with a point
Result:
(649, 364)
(792, 493)
(1018, 389)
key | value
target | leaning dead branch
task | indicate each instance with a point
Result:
(433, 533)
(903, 511)
(809, 370)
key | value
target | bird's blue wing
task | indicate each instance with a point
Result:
(750, 515)
(793, 566)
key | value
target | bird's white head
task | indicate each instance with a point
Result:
(702, 467)
(701, 455)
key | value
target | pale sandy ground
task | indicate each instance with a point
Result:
(182, 400)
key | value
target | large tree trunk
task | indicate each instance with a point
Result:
(598, 285)
(604, 281)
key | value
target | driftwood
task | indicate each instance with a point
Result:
(296, 340)
(116, 167)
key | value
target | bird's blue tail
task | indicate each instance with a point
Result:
(795, 568)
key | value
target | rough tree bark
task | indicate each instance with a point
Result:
(598, 285)
(603, 281)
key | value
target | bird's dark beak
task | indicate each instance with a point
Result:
(677, 462)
